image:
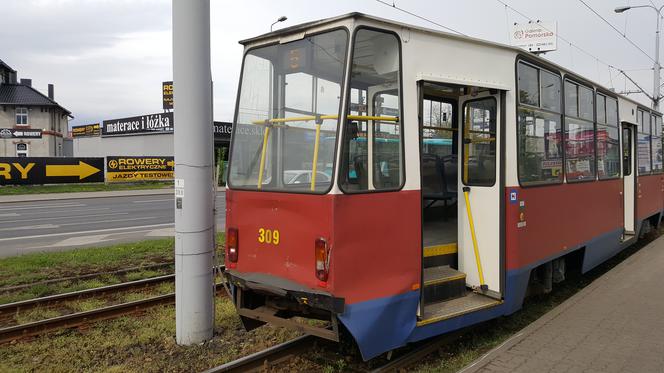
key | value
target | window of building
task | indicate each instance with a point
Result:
(479, 142)
(21, 116)
(372, 150)
(608, 142)
(643, 144)
(579, 134)
(539, 128)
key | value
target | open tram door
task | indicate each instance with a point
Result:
(460, 163)
(628, 134)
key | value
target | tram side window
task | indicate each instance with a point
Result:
(479, 142)
(656, 144)
(643, 144)
(580, 135)
(608, 142)
(372, 150)
(539, 127)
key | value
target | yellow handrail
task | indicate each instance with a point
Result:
(483, 286)
(263, 151)
(323, 117)
(315, 165)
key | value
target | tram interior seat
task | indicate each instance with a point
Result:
(439, 178)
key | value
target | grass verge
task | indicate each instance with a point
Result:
(139, 344)
(70, 188)
(36, 267)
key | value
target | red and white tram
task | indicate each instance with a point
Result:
(401, 182)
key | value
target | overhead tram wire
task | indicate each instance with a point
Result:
(578, 48)
(393, 5)
(624, 35)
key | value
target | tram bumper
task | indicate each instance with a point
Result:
(261, 298)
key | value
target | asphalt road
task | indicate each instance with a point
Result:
(56, 225)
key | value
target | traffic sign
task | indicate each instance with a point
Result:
(50, 170)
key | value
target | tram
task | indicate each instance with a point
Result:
(446, 178)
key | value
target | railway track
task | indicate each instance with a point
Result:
(88, 276)
(77, 319)
(270, 356)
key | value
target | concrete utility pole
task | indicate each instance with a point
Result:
(656, 96)
(194, 220)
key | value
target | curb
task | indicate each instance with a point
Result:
(82, 195)
(488, 357)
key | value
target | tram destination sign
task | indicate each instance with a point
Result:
(50, 170)
(15, 133)
(130, 168)
(535, 37)
(159, 123)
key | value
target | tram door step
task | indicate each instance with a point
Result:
(443, 283)
(440, 255)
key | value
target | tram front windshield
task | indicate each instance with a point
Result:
(288, 115)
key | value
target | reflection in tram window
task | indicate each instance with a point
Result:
(479, 142)
(643, 151)
(539, 133)
(540, 147)
(288, 114)
(579, 134)
(608, 142)
(372, 151)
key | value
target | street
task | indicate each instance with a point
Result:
(62, 224)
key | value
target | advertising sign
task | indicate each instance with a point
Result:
(167, 94)
(223, 130)
(120, 168)
(13, 133)
(88, 130)
(50, 170)
(141, 125)
(535, 37)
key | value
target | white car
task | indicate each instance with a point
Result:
(304, 177)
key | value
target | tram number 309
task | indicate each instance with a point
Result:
(268, 236)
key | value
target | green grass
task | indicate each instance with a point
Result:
(139, 344)
(69, 188)
(35, 267)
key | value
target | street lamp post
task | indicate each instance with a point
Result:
(280, 19)
(656, 67)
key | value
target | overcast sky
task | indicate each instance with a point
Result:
(107, 58)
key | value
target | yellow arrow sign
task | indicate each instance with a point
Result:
(82, 170)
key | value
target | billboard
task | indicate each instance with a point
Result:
(535, 37)
(129, 168)
(88, 130)
(142, 125)
(14, 133)
(167, 95)
(223, 130)
(50, 170)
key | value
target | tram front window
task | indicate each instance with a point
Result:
(288, 115)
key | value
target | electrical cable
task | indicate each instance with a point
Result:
(616, 30)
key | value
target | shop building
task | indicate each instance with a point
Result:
(32, 124)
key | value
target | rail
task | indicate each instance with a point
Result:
(272, 355)
(15, 332)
